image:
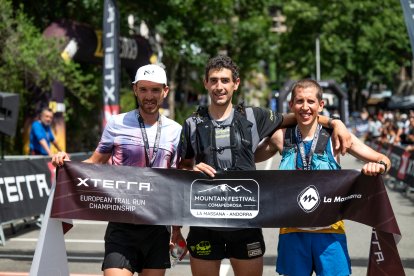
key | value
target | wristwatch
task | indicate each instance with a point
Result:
(385, 166)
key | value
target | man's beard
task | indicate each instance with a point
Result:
(146, 110)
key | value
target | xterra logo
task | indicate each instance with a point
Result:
(309, 199)
(114, 184)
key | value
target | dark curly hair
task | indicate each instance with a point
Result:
(220, 62)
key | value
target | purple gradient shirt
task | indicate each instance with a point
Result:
(122, 137)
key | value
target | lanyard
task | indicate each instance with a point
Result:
(145, 138)
(307, 159)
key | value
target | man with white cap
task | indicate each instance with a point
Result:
(142, 138)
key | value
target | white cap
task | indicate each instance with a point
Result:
(151, 72)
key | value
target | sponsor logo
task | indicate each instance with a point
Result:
(341, 198)
(376, 251)
(113, 184)
(22, 187)
(111, 46)
(225, 198)
(202, 248)
(254, 249)
(309, 199)
(272, 115)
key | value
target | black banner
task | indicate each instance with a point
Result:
(25, 185)
(408, 9)
(111, 62)
(233, 199)
(84, 44)
(24, 188)
(402, 161)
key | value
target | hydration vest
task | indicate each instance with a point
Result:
(241, 145)
(322, 159)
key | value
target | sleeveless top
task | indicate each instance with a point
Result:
(322, 159)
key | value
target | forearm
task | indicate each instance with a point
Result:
(45, 146)
(265, 151)
(269, 147)
(366, 153)
(289, 120)
(56, 145)
(340, 135)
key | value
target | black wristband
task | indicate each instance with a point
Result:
(385, 166)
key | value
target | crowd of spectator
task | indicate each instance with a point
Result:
(392, 127)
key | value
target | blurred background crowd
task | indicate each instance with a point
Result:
(385, 126)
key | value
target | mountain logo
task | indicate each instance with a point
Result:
(226, 187)
(224, 198)
(309, 199)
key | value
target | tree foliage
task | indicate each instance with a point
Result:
(30, 64)
(193, 31)
(361, 42)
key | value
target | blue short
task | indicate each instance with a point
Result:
(301, 253)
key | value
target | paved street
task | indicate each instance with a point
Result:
(84, 242)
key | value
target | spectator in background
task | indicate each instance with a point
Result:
(41, 135)
(380, 115)
(403, 125)
(364, 114)
(410, 134)
(390, 133)
(403, 121)
(374, 128)
(388, 115)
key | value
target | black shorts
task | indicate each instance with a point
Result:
(136, 247)
(209, 244)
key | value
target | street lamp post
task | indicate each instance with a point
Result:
(318, 59)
